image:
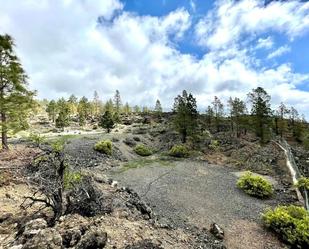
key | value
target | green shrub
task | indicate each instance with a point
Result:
(58, 145)
(255, 185)
(104, 146)
(214, 145)
(303, 182)
(179, 151)
(142, 150)
(36, 138)
(71, 178)
(291, 223)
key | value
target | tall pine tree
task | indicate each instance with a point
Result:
(15, 99)
(237, 112)
(158, 108)
(117, 102)
(52, 110)
(218, 112)
(185, 119)
(261, 112)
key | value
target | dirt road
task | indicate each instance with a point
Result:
(194, 192)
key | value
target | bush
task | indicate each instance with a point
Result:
(303, 182)
(104, 146)
(107, 121)
(214, 145)
(58, 145)
(70, 179)
(179, 151)
(255, 185)
(291, 223)
(36, 138)
(142, 150)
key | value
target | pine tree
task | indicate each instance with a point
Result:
(218, 112)
(209, 116)
(15, 99)
(52, 110)
(145, 110)
(281, 125)
(96, 104)
(72, 101)
(261, 112)
(83, 110)
(294, 117)
(117, 102)
(237, 112)
(106, 121)
(137, 109)
(127, 109)
(63, 119)
(109, 106)
(297, 125)
(185, 119)
(158, 108)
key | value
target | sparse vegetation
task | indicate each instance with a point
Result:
(289, 222)
(303, 182)
(104, 146)
(117, 171)
(214, 145)
(144, 162)
(255, 185)
(36, 138)
(107, 121)
(185, 118)
(142, 150)
(48, 183)
(179, 151)
(70, 179)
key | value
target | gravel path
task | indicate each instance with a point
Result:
(198, 193)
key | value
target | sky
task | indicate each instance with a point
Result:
(154, 49)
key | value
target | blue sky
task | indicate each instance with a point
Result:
(199, 8)
(156, 48)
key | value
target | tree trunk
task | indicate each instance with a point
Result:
(4, 137)
(184, 136)
(276, 126)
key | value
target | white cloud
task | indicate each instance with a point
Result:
(266, 43)
(278, 52)
(230, 20)
(65, 50)
(193, 5)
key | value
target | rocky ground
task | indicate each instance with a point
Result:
(302, 159)
(129, 223)
(169, 203)
(195, 192)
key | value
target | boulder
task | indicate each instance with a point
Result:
(4, 217)
(47, 238)
(129, 141)
(93, 239)
(144, 244)
(33, 227)
(71, 237)
(217, 231)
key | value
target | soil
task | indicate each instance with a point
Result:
(185, 196)
(190, 192)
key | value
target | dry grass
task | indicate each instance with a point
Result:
(244, 234)
(17, 156)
